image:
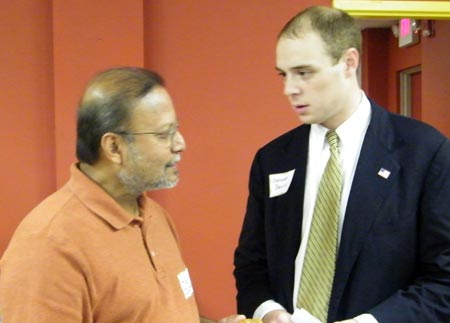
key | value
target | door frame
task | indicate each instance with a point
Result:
(406, 90)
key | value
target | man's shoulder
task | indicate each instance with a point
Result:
(291, 137)
(406, 129)
(45, 217)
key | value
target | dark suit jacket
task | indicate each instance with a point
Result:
(394, 254)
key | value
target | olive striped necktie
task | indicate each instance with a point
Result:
(320, 259)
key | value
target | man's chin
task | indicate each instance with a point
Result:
(166, 184)
(306, 119)
(171, 184)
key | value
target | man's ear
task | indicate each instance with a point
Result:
(351, 60)
(112, 147)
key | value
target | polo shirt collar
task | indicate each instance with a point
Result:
(96, 199)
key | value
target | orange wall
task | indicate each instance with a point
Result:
(218, 59)
(27, 171)
(88, 36)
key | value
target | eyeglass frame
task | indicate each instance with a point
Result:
(169, 133)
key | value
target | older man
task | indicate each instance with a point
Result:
(99, 250)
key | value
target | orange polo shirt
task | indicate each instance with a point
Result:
(79, 257)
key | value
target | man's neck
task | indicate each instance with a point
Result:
(110, 184)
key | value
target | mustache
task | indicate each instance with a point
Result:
(176, 160)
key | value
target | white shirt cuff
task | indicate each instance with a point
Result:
(267, 307)
(365, 318)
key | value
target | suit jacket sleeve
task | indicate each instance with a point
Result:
(270, 237)
(251, 270)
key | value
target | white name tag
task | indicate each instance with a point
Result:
(279, 183)
(185, 283)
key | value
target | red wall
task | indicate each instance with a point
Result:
(383, 60)
(436, 77)
(218, 59)
(374, 64)
(27, 171)
(88, 36)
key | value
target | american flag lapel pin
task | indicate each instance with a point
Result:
(384, 173)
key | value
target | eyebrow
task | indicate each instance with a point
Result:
(299, 67)
(168, 126)
(173, 125)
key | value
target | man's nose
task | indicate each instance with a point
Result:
(179, 144)
(291, 86)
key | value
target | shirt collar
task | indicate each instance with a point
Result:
(98, 201)
(355, 127)
(351, 129)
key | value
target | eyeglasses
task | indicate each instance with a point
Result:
(166, 136)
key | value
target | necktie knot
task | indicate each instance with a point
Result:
(333, 140)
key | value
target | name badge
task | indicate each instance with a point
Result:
(185, 283)
(279, 183)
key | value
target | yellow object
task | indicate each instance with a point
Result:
(395, 9)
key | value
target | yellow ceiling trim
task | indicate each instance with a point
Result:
(395, 9)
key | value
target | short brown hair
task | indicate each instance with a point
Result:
(338, 29)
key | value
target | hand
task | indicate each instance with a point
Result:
(232, 319)
(278, 316)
